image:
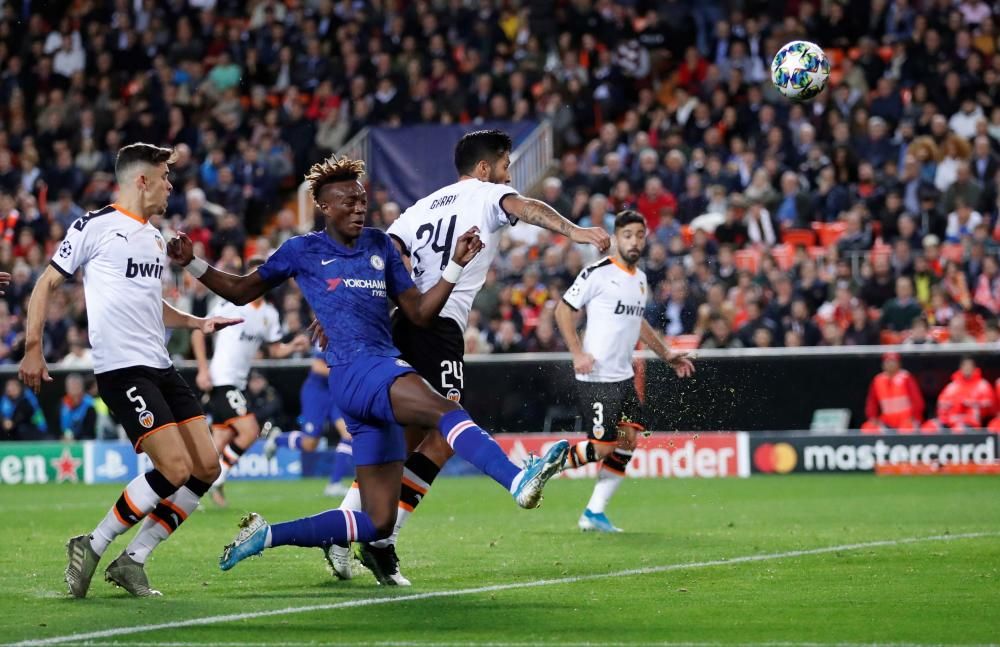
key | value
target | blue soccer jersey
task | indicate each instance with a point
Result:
(346, 287)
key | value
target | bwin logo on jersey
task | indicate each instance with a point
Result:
(133, 269)
(622, 309)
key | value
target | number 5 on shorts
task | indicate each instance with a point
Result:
(136, 398)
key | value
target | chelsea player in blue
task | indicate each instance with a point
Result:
(347, 273)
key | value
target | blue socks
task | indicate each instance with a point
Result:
(290, 440)
(478, 447)
(330, 527)
(343, 461)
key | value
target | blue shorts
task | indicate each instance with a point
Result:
(361, 390)
(317, 405)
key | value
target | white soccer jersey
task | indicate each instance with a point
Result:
(123, 261)
(615, 301)
(428, 231)
(236, 346)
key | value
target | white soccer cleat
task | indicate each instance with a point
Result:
(335, 490)
(270, 435)
(339, 559)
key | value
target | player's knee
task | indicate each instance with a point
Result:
(206, 470)
(603, 449)
(176, 468)
(309, 444)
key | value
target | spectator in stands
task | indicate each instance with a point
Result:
(760, 227)
(966, 403)
(899, 312)
(880, 287)
(793, 209)
(862, 331)
(77, 415)
(920, 333)
(654, 202)
(719, 334)
(507, 339)
(677, 313)
(756, 319)
(800, 322)
(20, 414)
(264, 401)
(894, 400)
(733, 231)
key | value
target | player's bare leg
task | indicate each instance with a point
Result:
(614, 460)
(414, 402)
(171, 469)
(192, 443)
(222, 435)
(232, 442)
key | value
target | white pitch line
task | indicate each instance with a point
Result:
(520, 644)
(364, 602)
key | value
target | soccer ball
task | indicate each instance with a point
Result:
(800, 70)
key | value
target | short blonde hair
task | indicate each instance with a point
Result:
(333, 170)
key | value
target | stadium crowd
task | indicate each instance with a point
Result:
(866, 215)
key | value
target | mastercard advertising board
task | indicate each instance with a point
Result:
(889, 454)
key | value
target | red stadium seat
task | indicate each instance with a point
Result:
(891, 337)
(952, 252)
(829, 232)
(784, 256)
(939, 334)
(798, 237)
(685, 342)
(747, 260)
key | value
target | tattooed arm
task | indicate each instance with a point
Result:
(538, 213)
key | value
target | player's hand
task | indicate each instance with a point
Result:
(316, 334)
(301, 343)
(215, 324)
(4, 281)
(33, 370)
(467, 246)
(583, 363)
(682, 363)
(203, 380)
(180, 249)
(595, 236)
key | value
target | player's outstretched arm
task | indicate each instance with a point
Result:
(536, 212)
(238, 289)
(281, 349)
(422, 308)
(174, 318)
(33, 370)
(680, 361)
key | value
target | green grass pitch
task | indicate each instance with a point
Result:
(469, 534)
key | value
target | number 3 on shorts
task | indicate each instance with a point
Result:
(598, 413)
(135, 397)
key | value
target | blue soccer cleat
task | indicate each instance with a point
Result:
(248, 543)
(536, 474)
(596, 521)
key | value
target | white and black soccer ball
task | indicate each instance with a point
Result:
(800, 70)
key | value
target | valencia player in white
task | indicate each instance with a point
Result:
(123, 258)
(234, 427)
(425, 234)
(613, 293)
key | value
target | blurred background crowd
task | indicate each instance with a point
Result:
(867, 215)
